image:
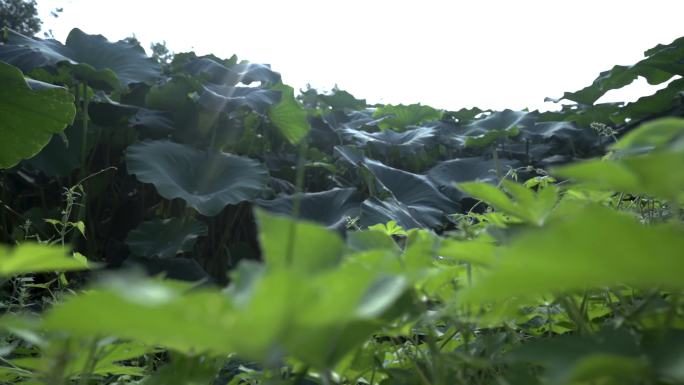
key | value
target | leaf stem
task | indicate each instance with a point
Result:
(296, 205)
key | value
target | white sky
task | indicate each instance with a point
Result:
(448, 54)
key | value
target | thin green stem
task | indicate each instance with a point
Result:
(84, 137)
(575, 314)
(296, 205)
(91, 361)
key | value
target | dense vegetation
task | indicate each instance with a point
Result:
(192, 221)
(20, 15)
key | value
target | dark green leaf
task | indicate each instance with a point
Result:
(333, 208)
(91, 57)
(31, 113)
(165, 238)
(207, 182)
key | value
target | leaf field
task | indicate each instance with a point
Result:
(197, 221)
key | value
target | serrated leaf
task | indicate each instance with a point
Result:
(590, 248)
(36, 258)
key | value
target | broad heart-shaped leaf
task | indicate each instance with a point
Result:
(401, 116)
(340, 99)
(406, 142)
(375, 211)
(165, 238)
(36, 258)
(312, 246)
(415, 191)
(93, 58)
(62, 154)
(445, 174)
(288, 115)
(245, 73)
(589, 248)
(333, 208)
(150, 123)
(172, 93)
(484, 131)
(207, 182)
(31, 113)
(219, 98)
(354, 120)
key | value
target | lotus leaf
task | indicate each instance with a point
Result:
(31, 113)
(245, 73)
(224, 98)
(401, 116)
(333, 208)
(93, 58)
(445, 174)
(206, 181)
(288, 115)
(375, 211)
(414, 190)
(409, 140)
(165, 238)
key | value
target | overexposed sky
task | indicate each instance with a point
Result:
(448, 54)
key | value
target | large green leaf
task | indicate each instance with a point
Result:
(311, 247)
(288, 115)
(150, 123)
(402, 116)
(663, 102)
(63, 153)
(207, 182)
(384, 143)
(165, 238)
(354, 120)
(218, 73)
(592, 247)
(375, 211)
(219, 98)
(316, 316)
(340, 100)
(333, 208)
(654, 135)
(533, 207)
(152, 312)
(659, 174)
(484, 131)
(31, 112)
(92, 58)
(661, 63)
(172, 93)
(36, 258)
(415, 191)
